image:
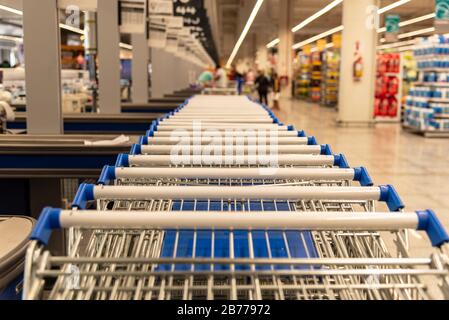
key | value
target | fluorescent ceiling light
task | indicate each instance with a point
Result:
(399, 48)
(392, 6)
(313, 17)
(418, 19)
(70, 28)
(244, 32)
(411, 21)
(318, 14)
(340, 28)
(318, 37)
(273, 43)
(61, 25)
(16, 39)
(12, 10)
(396, 44)
(416, 33)
(328, 46)
(126, 46)
(412, 33)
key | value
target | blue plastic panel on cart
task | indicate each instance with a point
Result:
(296, 247)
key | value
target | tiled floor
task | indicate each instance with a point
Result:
(416, 166)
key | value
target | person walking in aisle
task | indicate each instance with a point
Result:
(262, 85)
(221, 77)
(276, 83)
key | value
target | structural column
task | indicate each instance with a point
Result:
(356, 97)
(140, 86)
(43, 66)
(285, 46)
(165, 73)
(109, 57)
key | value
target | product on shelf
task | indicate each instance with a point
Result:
(427, 105)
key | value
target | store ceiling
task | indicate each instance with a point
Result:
(233, 14)
(265, 27)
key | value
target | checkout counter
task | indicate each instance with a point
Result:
(37, 171)
(127, 107)
(92, 123)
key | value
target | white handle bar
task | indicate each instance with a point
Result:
(220, 127)
(240, 220)
(231, 133)
(247, 193)
(278, 160)
(231, 139)
(229, 150)
(235, 173)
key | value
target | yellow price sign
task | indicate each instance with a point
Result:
(307, 49)
(336, 39)
(321, 44)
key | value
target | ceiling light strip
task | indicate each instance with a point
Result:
(11, 10)
(340, 28)
(316, 15)
(396, 44)
(416, 33)
(245, 31)
(273, 43)
(318, 37)
(411, 21)
(393, 6)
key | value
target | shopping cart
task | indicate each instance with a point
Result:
(235, 255)
(309, 228)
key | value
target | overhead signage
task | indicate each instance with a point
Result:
(159, 13)
(133, 16)
(195, 17)
(441, 16)
(392, 27)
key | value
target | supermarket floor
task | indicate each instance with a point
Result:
(417, 167)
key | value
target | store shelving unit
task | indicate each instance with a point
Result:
(331, 76)
(427, 106)
(316, 77)
(302, 76)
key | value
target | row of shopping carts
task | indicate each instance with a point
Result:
(222, 201)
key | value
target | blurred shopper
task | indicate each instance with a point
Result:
(240, 83)
(221, 78)
(238, 78)
(234, 74)
(276, 84)
(250, 78)
(206, 79)
(262, 86)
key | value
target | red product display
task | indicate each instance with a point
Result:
(393, 107)
(388, 63)
(387, 85)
